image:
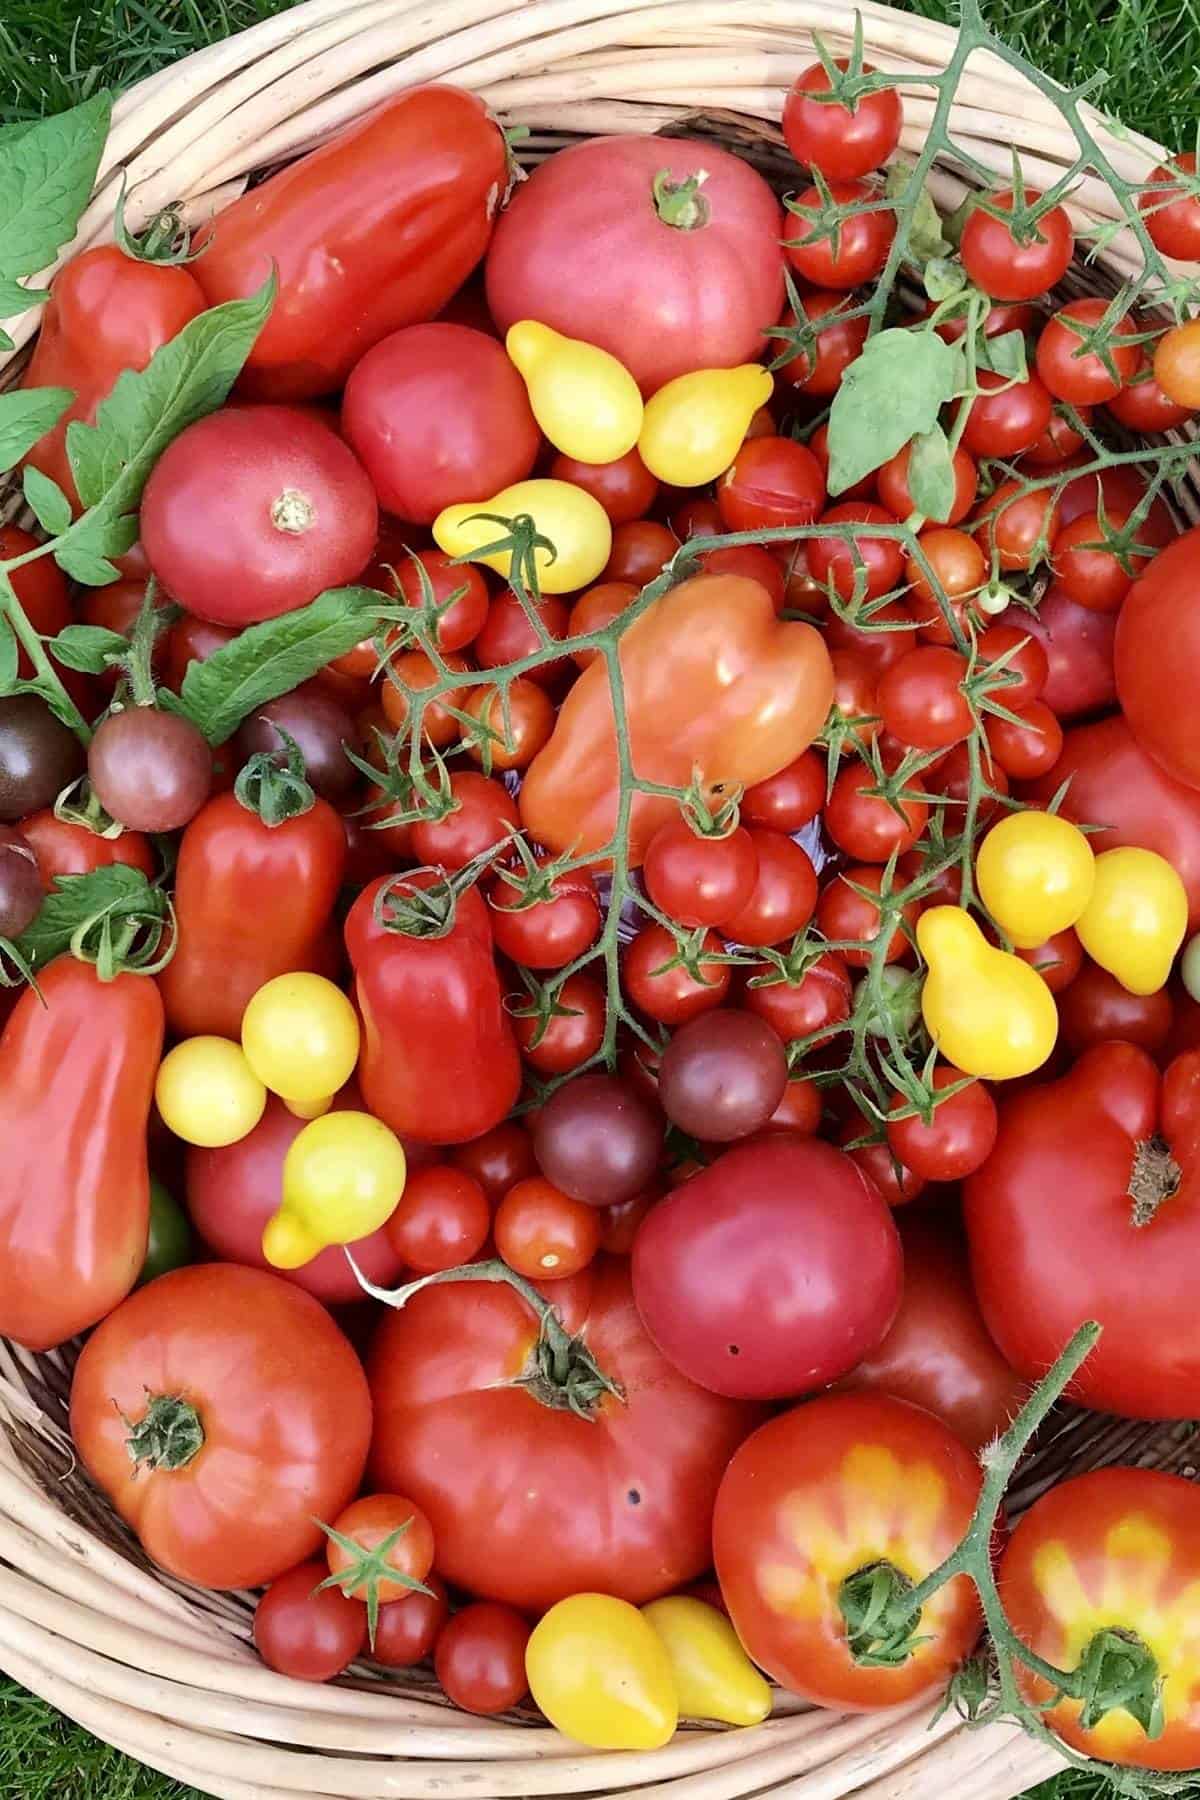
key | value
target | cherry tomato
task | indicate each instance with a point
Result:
(894, 1183)
(952, 777)
(306, 1634)
(598, 1140)
(483, 816)
(1095, 1007)
(321, 729)
(754, 560)
(418, 578)
(960, 569)
(784, 893)
(1075, 373)
(841, 141)
(892, 483)
(639, 552)
(572, 1034)
(697, 517)
(819, 369)
(1008, 416)
(1060, 440)
(518, 726)
(407, 1629)
(1027, 750)
(1171, 209)
(699, 880)
(595, 609)
(800, 1109)
(1090, 573)
(551, 932)
(1079, 645)
(442, 1219)
(407, 674)
(818, 443)
(855, 683)
(873, 647)
(150, 770)
(64, 847)
(379, 1548)
(498, 1159)
(480, 1658)
(868, 566)
(820, 998)
(921, 699)
(1142, 406)
(1058, 961)
(772, 481)
(786, 801)
(1018, 527)
(1026, 664)
(672, 994)
(958, 1138)
(843, 915)
(1011, 265)
(507, 633)
(544, 1234)
(866, 825)
(858, 247)
(1177, 364)
(619, 1224)
(625, 488)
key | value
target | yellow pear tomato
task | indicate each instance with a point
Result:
(1035, 872)
(714, 1677)
(207, 1092)
(586, 402)
(695, 425)
(575, 523)
(988, 1012)
(301, 1035)
(1136, 918)
(602, 1675)
(342, 1179)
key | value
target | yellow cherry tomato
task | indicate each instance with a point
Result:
(309, 1109)
(1189, 967)
(342, 1179)
(586, 402)
(601, 1675)
(988, 1012)
(1136, 918)
(207, 1092)
(714, 1677)
(1035, 872)
(300, 1034)
(695, 425)
(575, 523)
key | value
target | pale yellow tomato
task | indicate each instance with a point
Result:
(573, 522)
(301, 1035)
(586, 402)
(1035, 872)
(696, 424)
(1136, 918)
(602, 1675)
(989, 1013)
(714, 1677)
(342, 1179)
(207, 1092)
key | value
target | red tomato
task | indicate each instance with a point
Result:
(700, 226)
(960, 570)
(662, 986)
(1060, 441)
(894, 491)
(364, 1527)
(959, 1136)
(640, 550)
(819, 998)
(436, 412)
(1018, 528)
(625, 488)
(827, 1490)
(1073, 371)
(844, 915)
(1079, 646)
(841, 141)
(875, 648)
(754, 560)
(1095, 1008)
(819, 369)
(276, 1405)
(858, 567)
(442, 1220)
(1025, 665)
(818, 443)
(1152, 686)
(921, 699)
(855, 252)
(1171, 209)
(480, 1658)
(595, 609)
(483, 815)
(784, 893)
(41, 586)
(516, 723)
(544, 1234)
(786, 801)
(66, 847)
(307, 1634)
(529, 1501)
(416, 578)
(498, 1159)
(191, 640)
(772, 481)
(700, 880)
(408, 1629)
(892, 1181)
(865, 824)
(938, 1354)
(571, 1034)
(1087, 1204)
(1058, 961)
(800, 1109)
(1143, 407)
(407, 674)
(1008, 417)
(1121, 487)
(1013, 264)
(1098, 577)
(254, 511)
(953, 778)
(551, 931)
(1027, 750)
(772, 1272)
(507, 634)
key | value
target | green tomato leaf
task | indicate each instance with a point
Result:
(1003, 355)
(188, 378)
(75, 900)
(270, 659)
(47, 173)
(931, 474)
(926, 240)
(87, 647)
(79, 556)
(8, 659)
(50, 505)
(893, 392)
(26, 414)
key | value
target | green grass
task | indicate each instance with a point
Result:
(54, 53)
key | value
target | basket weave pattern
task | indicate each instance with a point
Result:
(164, 1672)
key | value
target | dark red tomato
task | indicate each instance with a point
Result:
(191, 640)
(819, 999)
(921, 699)
(1060, 440)
(407, 674)
(483, 817)
(772, 1272)
(1095, 1007)
(1025, 663)
(625, 488)
(572, 1034)
(894, 1183)
(952, 777)
(498, 1159)
(506, 634)
(434, 412)
(640, 550)
(699, 880)
(480, 1658)
(407, 1629)
(1018, 528)
(443, 1219)
(419, 578)
(857, 567)
(1073, 371)
(150, 770)
(1058, 961)
(959, 570)
(699, 517)
(772, 481)
(841, 141)
(819, 369)
(874, 648)
(543, 1234)
(1143, 407)
(754, 560)
(1156, 655)
(1027, 750)
(959, 1136)
(1079, 647)
(1008, 417)
(1012, 265)
(856, 250)
(844, 916)
(551, 932)
(254, 511)
(305, 1632)
(619, 1224)
(892, 483)
(786, 801)
(784, 893)
(65, 847)
(1171, 209)
(661, 986)
(595, 609)
(322, 731)
(866, 825)
(938, 1353)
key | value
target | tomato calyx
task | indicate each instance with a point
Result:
(367, 1570)
(165, 240)
(274, 790)
(874, 1603)
(680, 204)
(1154, 1178)
(1118, 1672)
(428, 908)
(168, 1436)
(711, 812)
(86, 811)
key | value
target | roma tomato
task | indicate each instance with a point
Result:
(307, 1634)
(1088, 1203)
(1151, 687)
(770, 1273)
(700, 879)
(701, 227)
(1016, 265)
(529, 1500)
(856, 252)
(209, 1384)
(841, 141)
(811, 1508)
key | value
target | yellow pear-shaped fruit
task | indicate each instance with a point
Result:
(1136, 917)
(695, 425)
(714, 1677)
(342, 1179)
(586, 402)
(574, 523)
(989, 1013)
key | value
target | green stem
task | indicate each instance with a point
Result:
(48, 679)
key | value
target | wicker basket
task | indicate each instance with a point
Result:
(166, 1673)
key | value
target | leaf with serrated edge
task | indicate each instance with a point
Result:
(270, 659)
(931, 475)
(86, 647)
(26, 414)
(189, 377)
(46, 178)
(81, 562)
(50, 505)
(74, 899)
(1004, 355)
(892, 393)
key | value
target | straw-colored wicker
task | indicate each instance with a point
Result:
(166, 1673)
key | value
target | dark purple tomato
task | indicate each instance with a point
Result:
(151, 770)
(321, 730)
(39, 756)
(722, 1076)
(21, 890)
(597, 1140)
